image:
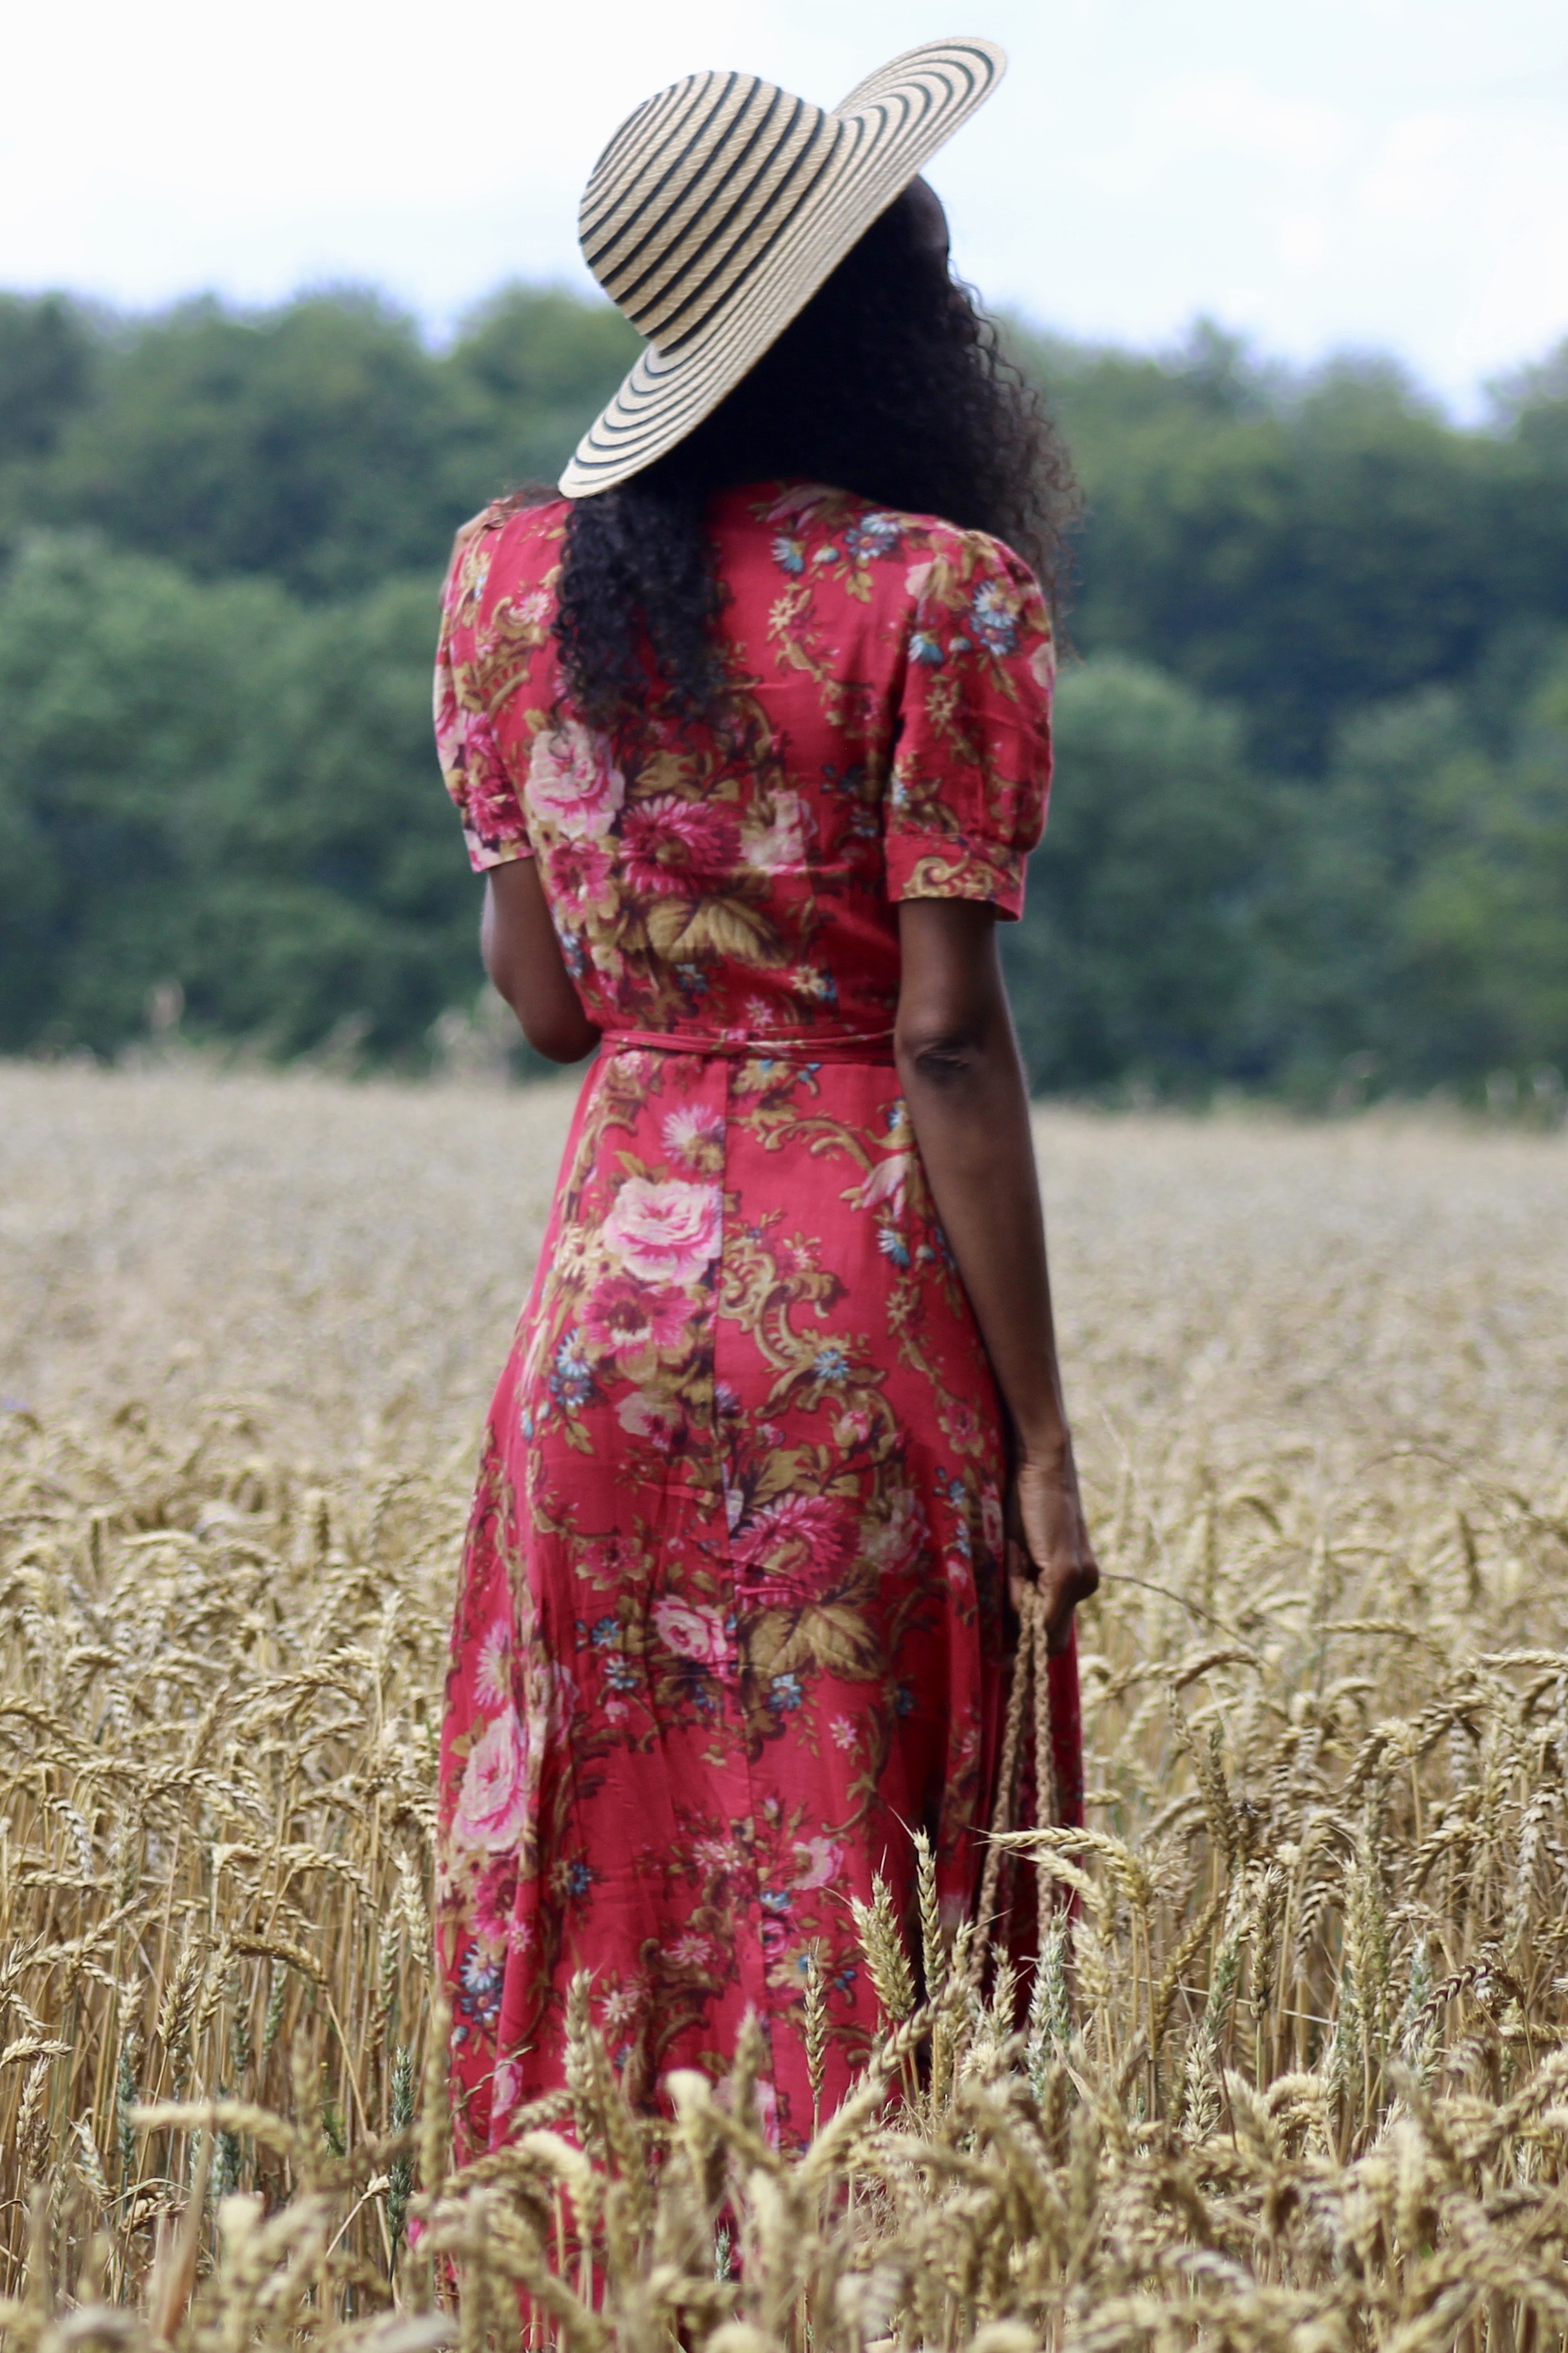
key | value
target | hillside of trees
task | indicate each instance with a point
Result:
(1310, 830)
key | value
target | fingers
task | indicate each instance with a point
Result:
(1049, 1549)
(1061, 1594)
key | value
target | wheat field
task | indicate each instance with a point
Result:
(1294, 2067)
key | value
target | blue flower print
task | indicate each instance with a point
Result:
(825, 555)
(925, 647)
(995, 623)
(607, 1633)
(482, 1984)
(789, 554)
(579, 1879)
(874, 534)
(774, 1899)
(891, 1244)
(620, 1673)
(572, 1382)
(830, 1364)
(784, 1695)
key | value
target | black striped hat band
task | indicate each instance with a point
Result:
(721, 206)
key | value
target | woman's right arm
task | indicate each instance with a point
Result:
(968, 1105)
(523, 959)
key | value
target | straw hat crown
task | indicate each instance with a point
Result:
(722, 203)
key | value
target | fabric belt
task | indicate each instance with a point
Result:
(800, 1046)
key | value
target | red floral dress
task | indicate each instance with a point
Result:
(730, 1625)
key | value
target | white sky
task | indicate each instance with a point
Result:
(1388, 173)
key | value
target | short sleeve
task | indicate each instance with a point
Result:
(471, 762)
(972, 752)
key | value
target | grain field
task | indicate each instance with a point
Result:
(1294, 2068)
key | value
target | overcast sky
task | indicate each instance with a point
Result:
(1386, 174)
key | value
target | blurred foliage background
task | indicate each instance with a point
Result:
(1311, 826)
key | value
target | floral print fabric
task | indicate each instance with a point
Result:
(731, 1621)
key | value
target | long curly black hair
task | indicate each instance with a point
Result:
(891, 384)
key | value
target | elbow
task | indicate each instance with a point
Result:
(940, 1053)
(561, 1033)
(559, 1042)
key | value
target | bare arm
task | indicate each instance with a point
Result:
(968, 1103)
(522, 957)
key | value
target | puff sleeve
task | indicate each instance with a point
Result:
(972, 751)
(486, 800)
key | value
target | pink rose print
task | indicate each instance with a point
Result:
(691, 1632)
(572, 783)
(507, 2091)
(581, 872)
(893, 1543)
(991, 1522)
(493, 811)
(823, 1860)
(672, 845)
(492, 1804)
(667, 1232)
(468, 749)
(781, 848)
(626, 1318)
(644, 1414)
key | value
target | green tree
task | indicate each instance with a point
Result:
(307, 444)
(322, 444)
(212, 784)
(1134, 957)
(1311, 777)
(538, 364)
(46, 358)
(1425, 924)
(1303, 549)
(338, 864)
(126, 690)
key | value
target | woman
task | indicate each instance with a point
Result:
(749, 734)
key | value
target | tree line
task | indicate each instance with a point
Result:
(1310, 828)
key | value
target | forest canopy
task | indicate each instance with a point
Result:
(1311, 827)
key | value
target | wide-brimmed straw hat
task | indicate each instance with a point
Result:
(722, 203)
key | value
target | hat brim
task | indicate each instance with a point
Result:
(895, 120)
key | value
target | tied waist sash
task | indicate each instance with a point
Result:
(795, 1045)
